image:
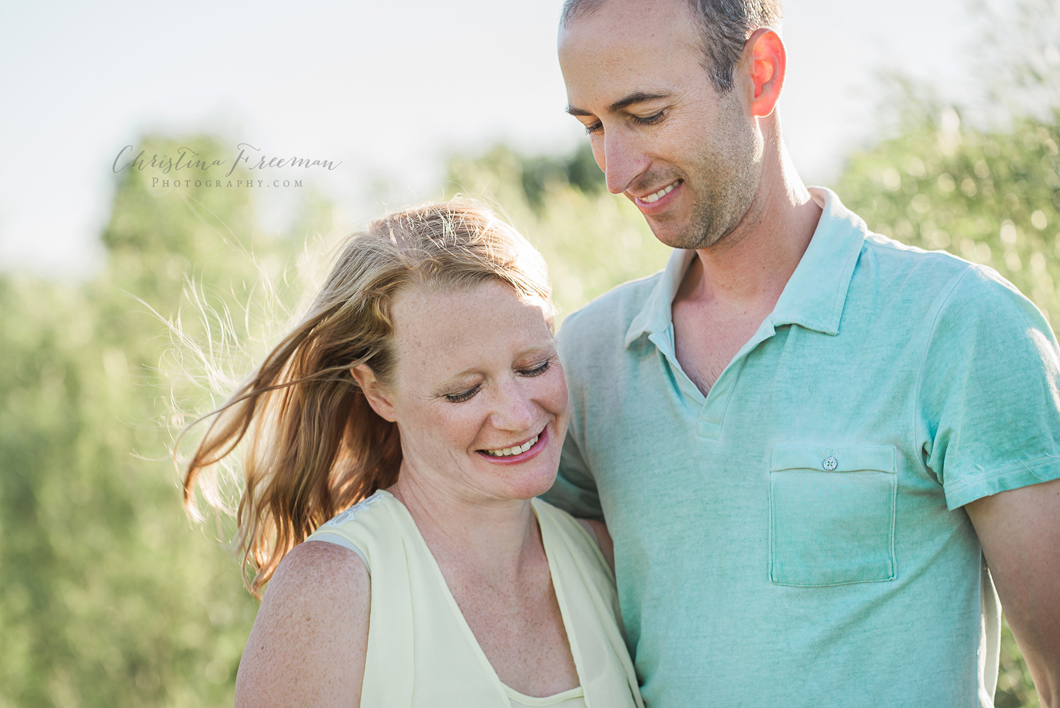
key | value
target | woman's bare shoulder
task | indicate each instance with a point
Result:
(310, 637)
(318, 566)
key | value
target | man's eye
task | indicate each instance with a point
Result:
(649, 120)
(593, 129)
(462, 396)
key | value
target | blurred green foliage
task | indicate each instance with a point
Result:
(111, 597)
(989, 197)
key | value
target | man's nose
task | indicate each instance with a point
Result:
(622, 160)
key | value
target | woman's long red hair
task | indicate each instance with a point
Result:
(312, 446)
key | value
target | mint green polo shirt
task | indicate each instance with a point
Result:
(796, 537)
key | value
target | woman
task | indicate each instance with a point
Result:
(422, 398)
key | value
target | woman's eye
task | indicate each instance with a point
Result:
(469, 393)
(537, 370)
(462, 396)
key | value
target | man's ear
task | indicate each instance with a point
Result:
(764, 60)
(377, 396)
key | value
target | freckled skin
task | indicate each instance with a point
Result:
(495, 355)
(708, 140)
(489, 341)
(310, 637)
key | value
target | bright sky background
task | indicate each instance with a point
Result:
(390, 89)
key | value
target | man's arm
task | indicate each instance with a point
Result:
(1019, 531)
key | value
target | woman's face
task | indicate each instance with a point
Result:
(478, 393)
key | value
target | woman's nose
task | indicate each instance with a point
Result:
(514, 409)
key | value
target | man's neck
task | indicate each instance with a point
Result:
(731, 287)
(748, 268)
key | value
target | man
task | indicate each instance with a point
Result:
(805, 438)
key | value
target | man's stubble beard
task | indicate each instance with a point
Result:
(725, 184)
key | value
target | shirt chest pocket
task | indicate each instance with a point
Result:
(831, 514)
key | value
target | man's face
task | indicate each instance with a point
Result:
(687, 156)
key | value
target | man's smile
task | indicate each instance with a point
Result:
(656, 196)
(656, 201)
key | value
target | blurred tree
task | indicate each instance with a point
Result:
(990, 197)
(109, 596)
(1017, 59)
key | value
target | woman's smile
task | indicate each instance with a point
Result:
(518, 453)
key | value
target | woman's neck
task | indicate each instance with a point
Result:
(496, 542)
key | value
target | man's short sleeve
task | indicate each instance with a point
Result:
(989, 400)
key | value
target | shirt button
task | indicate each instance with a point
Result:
(830, 463)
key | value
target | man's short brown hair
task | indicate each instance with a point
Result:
(724, 26)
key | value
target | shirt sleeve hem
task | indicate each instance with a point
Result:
(1003, 479)
(340, 540)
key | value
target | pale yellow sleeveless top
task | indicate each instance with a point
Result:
(421, 652)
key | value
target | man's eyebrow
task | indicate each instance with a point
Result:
(637, 97)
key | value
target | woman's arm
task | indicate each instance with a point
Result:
(310, 637)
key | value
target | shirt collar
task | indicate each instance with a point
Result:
(815, 294)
